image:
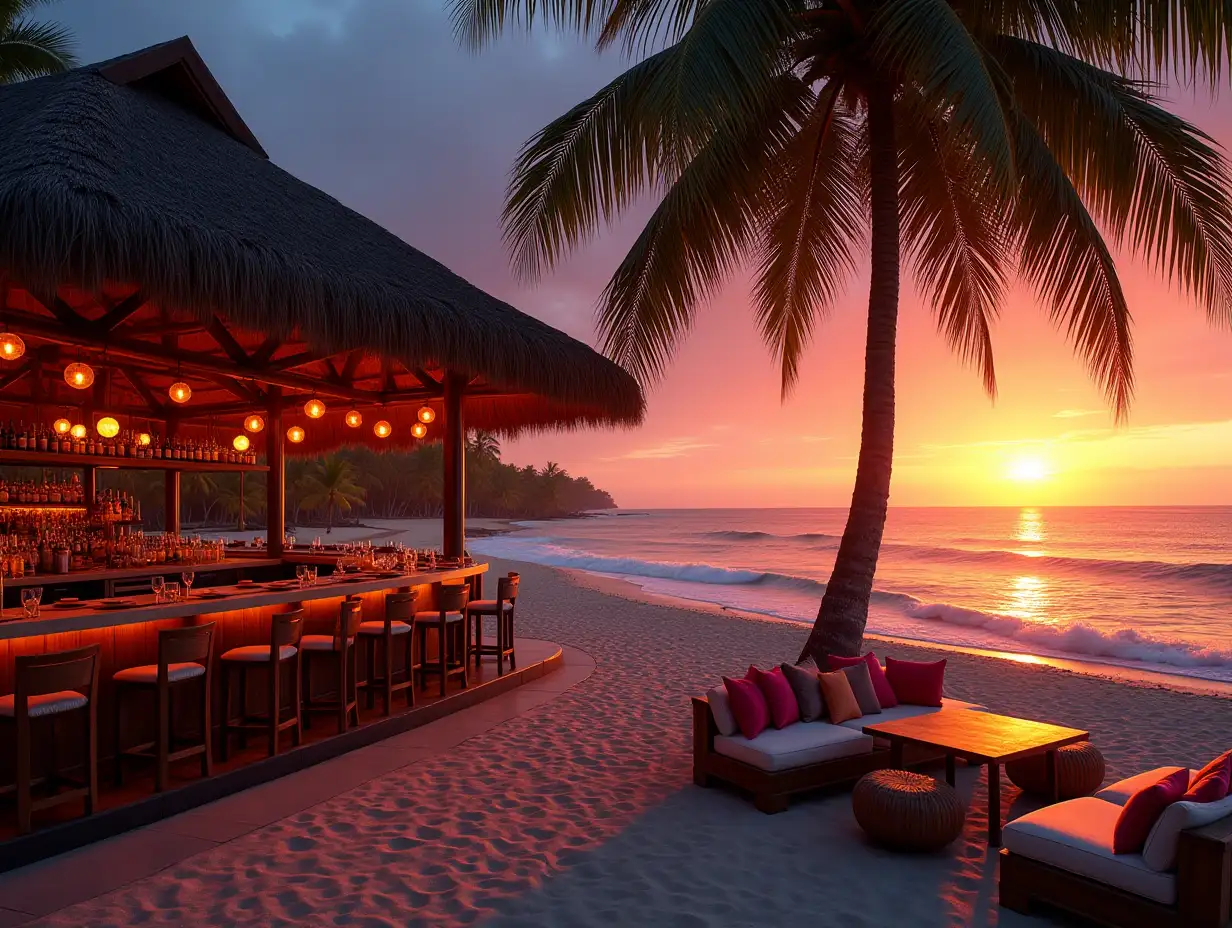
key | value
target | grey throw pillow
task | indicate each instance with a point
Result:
(862, 685)
(807, 687)
(724, 721)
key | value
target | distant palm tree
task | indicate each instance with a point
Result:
(237, 506)
(552, 470)
(983, 140)
(331, 485)
(28, 48)
(485, 444)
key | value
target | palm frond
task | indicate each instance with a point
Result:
(641, 23)
(478, 22)
(695, 237)
(954, 225)
(927, 43)
(29, 49)
(817, 215)
(1156, 182)
(647, 124)
(1062, 252)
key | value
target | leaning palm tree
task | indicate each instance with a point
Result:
(331, 485)
(29, 48)
(981, 141)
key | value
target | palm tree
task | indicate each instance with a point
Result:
(982, 141)
(28, 48)
(485, 445)
(331, 485)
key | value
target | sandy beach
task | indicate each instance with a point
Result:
(582, 812)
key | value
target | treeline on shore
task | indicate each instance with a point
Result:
(349, 484)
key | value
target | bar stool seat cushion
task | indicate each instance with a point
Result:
(436, 616)
(46, 704)
(258, 652)
(378, 628)
(487, 606)
(318, 642)
(148, 673)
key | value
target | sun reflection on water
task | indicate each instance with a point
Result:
(1030, 530)
(1029, 598)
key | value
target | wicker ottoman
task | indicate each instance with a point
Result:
(907, 811)
(1080, 771)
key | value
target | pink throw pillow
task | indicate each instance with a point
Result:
(1143, 810)
(748, 705)
(916, 683)
(780, 697)
(1213, 782)
(881, 686)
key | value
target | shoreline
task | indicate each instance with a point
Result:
(1115, 673)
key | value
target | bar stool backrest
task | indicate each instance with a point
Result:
(192, 645)
(399, 607)
(507, 588)
(40, 674)
(285, 628)
(350, 615)
(451, 597)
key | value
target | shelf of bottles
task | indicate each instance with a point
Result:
(40, 445)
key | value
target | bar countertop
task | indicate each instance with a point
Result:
(53, 620)
(101, 574)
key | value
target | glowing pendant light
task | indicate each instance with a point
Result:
(240, 443)
(426, 414)
(180, 392)
(314, 408)
(11, 346)
(144, 439)
(62, 426)
(78, 431)
(295, 434)
(354, 419)
(382, 429)
(419, 430)
(108, 427)
(79, 376)
(254, 423)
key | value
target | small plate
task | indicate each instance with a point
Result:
(69, 603)
(246, 583)
(117, 603)
(209, 594)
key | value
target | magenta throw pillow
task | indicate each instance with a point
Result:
(916, 683)
(1143, 810)
(780, 697)
(1213, 782)
(748, 705)
(881, 686)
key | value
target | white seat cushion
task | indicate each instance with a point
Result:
(318, 642)
(149, 673)
(907, 712)
(47, 704)
(258, 652)
(1162, 843)
(1120, 791)
(794, 746)
(487, 605)
(378, 628)
(436, 616)
(1076, 836)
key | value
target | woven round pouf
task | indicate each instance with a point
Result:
(1080, 771)
(907, 811)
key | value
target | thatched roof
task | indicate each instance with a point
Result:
(136, 179)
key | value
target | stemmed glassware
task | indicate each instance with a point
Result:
(159, 586)
(31, 596)
(188, 576)
(301, 574)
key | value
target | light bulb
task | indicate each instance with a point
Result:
(11, 346)
(62, 426)
(108, 427)
(180, 392)
(240, 443)
(79, 376)
(419, 430)
(354, 419)
(382, 429)
(314, 408)
(78, 431)
(144, 439)
(254, 423)
(426, 414)
(295, 434)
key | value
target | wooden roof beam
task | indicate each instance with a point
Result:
(117, 313)
(226, 341)
(142, 388)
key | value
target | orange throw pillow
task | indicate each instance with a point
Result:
(841, 704)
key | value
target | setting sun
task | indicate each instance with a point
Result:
(1028, 469)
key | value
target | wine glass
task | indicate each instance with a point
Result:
(188, 576)
(159, 586)
(301, 574)
(310, 574)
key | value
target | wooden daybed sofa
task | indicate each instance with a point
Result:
(800, 758)
(1060, 856)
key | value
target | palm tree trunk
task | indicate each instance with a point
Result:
(839, 628)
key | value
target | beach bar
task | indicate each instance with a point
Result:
(173, 303)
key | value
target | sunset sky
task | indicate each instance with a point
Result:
(374, 102)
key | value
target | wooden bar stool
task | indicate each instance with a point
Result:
(281, 656)
(338, 647)
(399, 625)
(449, 619)
(48, 686)
(502, 608)
(184, 655)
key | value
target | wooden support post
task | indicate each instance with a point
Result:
(455, 465)
(276, 479)
(171, 524)
(242, 502)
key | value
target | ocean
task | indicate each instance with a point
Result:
(1141, 588)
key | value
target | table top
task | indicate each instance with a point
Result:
(975, 734)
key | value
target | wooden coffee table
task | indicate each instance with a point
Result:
(983, 738)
